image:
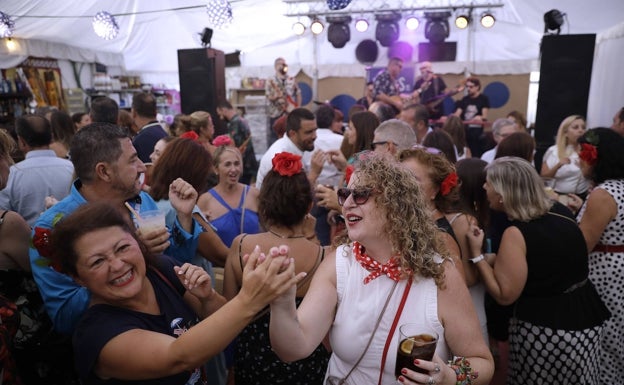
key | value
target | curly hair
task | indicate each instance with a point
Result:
(284, 200)
(408, 226)
(438, 169)
(610, 146)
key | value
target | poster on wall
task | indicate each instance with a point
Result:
(44, 78)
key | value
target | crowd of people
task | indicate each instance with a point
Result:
(301, 266)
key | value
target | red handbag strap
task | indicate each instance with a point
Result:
(393, 327)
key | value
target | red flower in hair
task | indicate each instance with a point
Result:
(448, 183)
(287, 164)
(348, 172)
(41, 242)
(222, 140)
(190, 135)
(589, 153)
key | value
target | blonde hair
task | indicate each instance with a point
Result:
(520, 187)
(216, 157)
(199, 119)
(7, 145)
(408, 226)
(562, 139)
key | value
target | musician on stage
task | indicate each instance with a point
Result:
(386, 87)
(283, 94)
(473, 108)
(431, 89)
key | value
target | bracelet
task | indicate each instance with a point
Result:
(477, 259)
(465, 374)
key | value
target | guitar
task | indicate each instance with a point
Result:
(434, 102)
(284, 101)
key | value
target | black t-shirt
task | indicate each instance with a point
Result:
(472, 107)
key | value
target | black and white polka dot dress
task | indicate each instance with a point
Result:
(606, 271)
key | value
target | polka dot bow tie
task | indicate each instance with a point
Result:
(391, 268)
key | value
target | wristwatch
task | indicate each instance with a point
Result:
(477, 259)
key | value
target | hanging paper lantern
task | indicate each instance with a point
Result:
(105, 26)
(335, 5)
(6, 25)
(219, 13)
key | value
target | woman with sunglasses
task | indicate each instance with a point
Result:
(391, 258)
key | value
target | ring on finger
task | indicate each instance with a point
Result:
(436, 368)
(431, 381)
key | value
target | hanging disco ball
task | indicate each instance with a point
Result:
(6, 25)
(105, 26)
(219, 13)
(335, 5)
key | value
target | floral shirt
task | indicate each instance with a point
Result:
(285, 90)
(384, 84)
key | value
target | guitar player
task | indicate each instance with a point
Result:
(431, 89)
(283, 95)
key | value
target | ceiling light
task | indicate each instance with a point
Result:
(487, 20)
(387, 30)
(412, 23)
(298, 28)
(6, 25)
(335, 5)
(105, 26)
(219, 13)
(361, 25)
(338, 32)
(10, 44)
(553, 20)
(437, 27)
(462, 21)
(316, 27)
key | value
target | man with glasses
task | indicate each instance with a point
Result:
(473, 109)
(430, 88)
(393, 136)
(501, 129)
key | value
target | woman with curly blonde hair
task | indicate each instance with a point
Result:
(390, 273)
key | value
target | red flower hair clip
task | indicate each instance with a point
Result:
(222, 140)
(589, 153)
(348, 172)
(448, 183)
(287, 164)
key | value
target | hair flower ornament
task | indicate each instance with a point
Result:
(589, 153)
(448, 183)
(348, 172)
(222, 140)
(287, 164)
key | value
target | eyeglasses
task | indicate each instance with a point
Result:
(381, 143)
(359, 195)
(470, 86)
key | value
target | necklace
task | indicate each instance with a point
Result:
(286, 236)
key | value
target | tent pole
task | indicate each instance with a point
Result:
(315, 68)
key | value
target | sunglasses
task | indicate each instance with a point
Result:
(360, 195)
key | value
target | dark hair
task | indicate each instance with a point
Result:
(104, 110)
(518, 144)
(455, 128)
(182, 158)
(383, 111)
(293, 121)
(355, 109)
(225, 104)
(77, 117)
(442, 141)
(621, 114)
(475, 81)
(365, 123)
(126, 122)
(34, 130)
(284, 200)
(62, 127)
(144, 104)
(95, 143)
(472, 196)
(421, 113)
(610, 146)
(86, 219)
(325, 116)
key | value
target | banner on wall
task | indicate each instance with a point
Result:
(44, 79)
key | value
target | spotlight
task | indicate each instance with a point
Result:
(553, 20)
(6, 25)
(387, 30)
(316, 27)
(298, 28)
(206, 36)
(462, 21)
(338, 32)
(412, 23)
(10, 44)
(105, 26)
(487, 20)
(361, 25)
(335, 5)
(219, 13)
(437, 27)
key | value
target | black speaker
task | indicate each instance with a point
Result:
(565, 74)
(202, 82)
(446, 51)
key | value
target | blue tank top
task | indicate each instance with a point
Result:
(228, 225)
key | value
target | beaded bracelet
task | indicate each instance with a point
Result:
(465, 374)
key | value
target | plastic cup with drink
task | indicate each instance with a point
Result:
(416, 341)
(151, 220)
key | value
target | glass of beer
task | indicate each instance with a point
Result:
(416, 341)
